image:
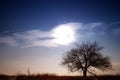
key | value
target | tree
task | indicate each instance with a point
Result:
(86, 56)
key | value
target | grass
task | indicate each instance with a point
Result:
(55, 77)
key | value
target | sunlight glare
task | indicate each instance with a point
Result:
(63, 35)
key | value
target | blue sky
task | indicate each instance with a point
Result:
(35, 33)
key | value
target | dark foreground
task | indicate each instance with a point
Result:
(53, 77)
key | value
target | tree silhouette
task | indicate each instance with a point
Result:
(86, 56)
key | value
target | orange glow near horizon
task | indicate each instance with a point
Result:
(11, 69)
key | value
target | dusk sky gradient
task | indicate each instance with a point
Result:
(36, 33)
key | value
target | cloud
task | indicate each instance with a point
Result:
(90, 29)
(112, 28)
(91, 26)
(8, 40)
(32, 38)
(116, 31)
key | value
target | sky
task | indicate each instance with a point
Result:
(35, 34)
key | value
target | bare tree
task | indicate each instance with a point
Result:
(86, 56)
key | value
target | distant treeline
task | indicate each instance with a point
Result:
(55, 77)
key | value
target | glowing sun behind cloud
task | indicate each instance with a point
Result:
(63, 34)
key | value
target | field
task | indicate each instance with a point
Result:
(54, 77)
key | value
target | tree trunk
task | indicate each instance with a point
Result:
(85, 73)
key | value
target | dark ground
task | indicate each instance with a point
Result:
(54, 77)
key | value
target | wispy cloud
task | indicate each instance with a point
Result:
(36, 37)
(113, 28)
(116, 31)
(8, 40)
(91, 26)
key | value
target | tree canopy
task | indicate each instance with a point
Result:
(86, 56)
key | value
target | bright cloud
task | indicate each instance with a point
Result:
(63, 34)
